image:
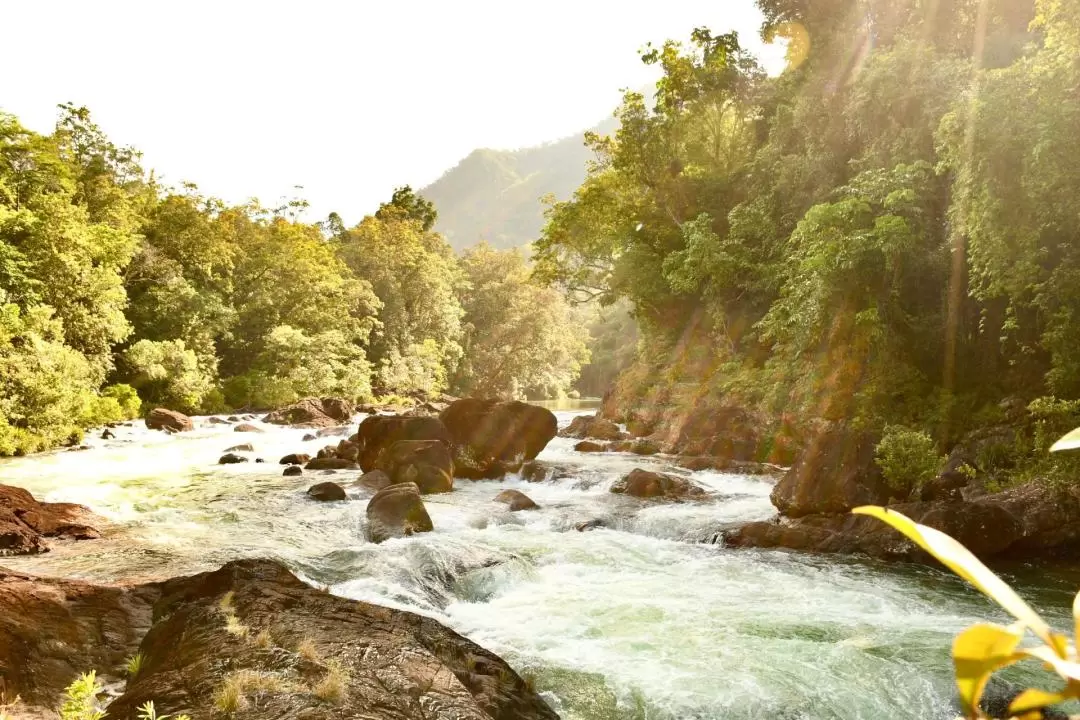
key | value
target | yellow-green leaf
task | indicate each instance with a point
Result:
(978, 652)
(1035, 699)
(1068, 669)
(1076, 622)
(959, 559)
(1069, 442)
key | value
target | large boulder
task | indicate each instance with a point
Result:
(1030, 521)
(653, 485)
(591, 426)
(348, 450)
(25, 522)
(162, 419)
(384, 663)
(424, 462)
(312, 412)
(835, 473)
(728, 432)
(397, 511)
(516, 500)
(491, 438)
(378, 432)
(327, 491)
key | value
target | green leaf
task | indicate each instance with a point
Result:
(1069, 442)
(978, 652)
(1035, 699)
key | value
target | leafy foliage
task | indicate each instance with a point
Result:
(80, 699)
(907, 458)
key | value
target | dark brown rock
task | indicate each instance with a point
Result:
(397, 511)
(327, 491)
(231, 459)
(835, 473)
(593, 427)
(374, 481)
(328, 451)
(534, 471)
(517, 500)
(424, 462)
(347, 450)
(312, 412)
(641, 446)
(309, 437)
(338, 408)
(246, 428)
(108, 435)
(590, 446)
(378, 432)
(331, 464)
(293, 470)
(162, 419)
(644, 484)
(217, 421)
(492, 438)
(25, 522)
(394, 665)
(295, 459)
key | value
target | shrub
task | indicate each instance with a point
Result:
(80, 699)
(907, 458)
(126, 398)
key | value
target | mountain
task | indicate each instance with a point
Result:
(494, 195)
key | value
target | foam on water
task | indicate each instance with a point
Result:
(635, 620)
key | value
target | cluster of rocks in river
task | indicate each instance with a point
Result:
(287, 650)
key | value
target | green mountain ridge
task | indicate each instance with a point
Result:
(494, 196)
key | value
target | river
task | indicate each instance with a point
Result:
(637, 621)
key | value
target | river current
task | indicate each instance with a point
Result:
(639, 620)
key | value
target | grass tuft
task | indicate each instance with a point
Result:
(133, 665)
(232, 695)
(333, 685)
(307, 650)
(235, 627)
(226, 603)
(264, 639)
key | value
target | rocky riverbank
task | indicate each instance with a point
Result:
(249, 637)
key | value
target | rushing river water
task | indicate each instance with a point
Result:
(640, 620)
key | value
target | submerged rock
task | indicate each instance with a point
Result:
(25, 523)
(217, 421)
(247, 428)
(327, 491)
(385, 663)
(397, 511)
(424, 462)
(534, 471)
(492, 438)
(517, 500)
(231, 459)
(293, 470)
(309, 437)
(243, 447)
(162, 419)
(591, 525)
(645, 484)
(588, 446)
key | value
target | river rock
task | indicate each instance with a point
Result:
(312, 412)
(517, 500)
(162, 419)
(231, 459)
(309, 437)
(1030, 521)
(397, 511)
(233, 418)
(247, 428)
(394, 665)
(108, 435)
(242, 447)
(424, 462)
(293, 470)
(378, 432)
(590, 525)
(25, 523)
(217, 421)
(645, 484)
(327, 491)
(591, 426)
(347, 450)
(492, 438)
(590, 446)
(331, 463)
(534, 471)
(327, 451)
(295, 459)
(374, 481)
(641, 446)
(835, 473)
(334, 431)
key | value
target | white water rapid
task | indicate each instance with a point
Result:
(639, 620)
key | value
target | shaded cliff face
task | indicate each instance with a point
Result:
(250, 639)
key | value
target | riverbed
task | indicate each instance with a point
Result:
(638, 620)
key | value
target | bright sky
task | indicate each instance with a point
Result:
(347, 99)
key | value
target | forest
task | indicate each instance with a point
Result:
(117, 293)
(885, 234)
